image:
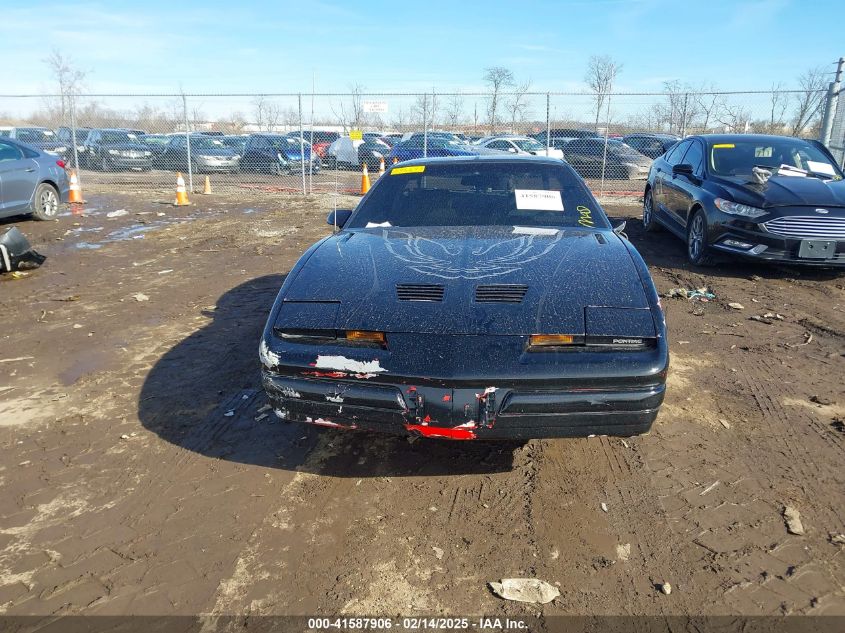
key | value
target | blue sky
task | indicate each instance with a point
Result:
(250, 45)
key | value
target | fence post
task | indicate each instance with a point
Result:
(425, 125)
(302, 145)
(548, 125)
(311, 145)
(73, 138)
(604, 155)
(188, 143)
(831, 103)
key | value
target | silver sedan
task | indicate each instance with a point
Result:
(31, 181)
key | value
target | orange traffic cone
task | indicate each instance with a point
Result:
(381, 168)
(75, 196)
(365, 180)
(181, 194)
(206, 190)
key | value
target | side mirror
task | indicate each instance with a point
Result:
(620, 228)
(683, 169)
(339, 218)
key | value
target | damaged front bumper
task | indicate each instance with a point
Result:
(461, 412)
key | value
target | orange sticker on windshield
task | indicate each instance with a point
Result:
(412, 169)
(724, 146)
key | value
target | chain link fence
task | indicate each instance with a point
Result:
(319, 142)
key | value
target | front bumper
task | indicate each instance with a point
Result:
(218, 166)
(125, 162)
(500, 411)
(768, 247)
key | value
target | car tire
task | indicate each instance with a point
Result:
(698, 251)
(649, 222)
(331, 162)
(46, 202)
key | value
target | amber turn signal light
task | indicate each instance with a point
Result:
(362, 336)
(546, 340)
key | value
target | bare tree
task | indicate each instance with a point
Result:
(69, 80)
(236, 122)
(454, 110)
(680, 108)
(497, 78)
(399, 120)
(778, 102)
(267, 114)
(710, 103)
(601, 73)
(518, 105)
(809, 100)
(351, 116)
(734, 117)
(424, 109)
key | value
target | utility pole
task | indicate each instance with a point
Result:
(832, 102)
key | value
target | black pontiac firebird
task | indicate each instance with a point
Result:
(464, 298)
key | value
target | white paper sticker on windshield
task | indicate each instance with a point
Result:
(378, 225)
(821, 168)
(538, 200)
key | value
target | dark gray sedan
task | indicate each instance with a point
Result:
(31, 181)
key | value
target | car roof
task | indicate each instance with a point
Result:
(760, 138)
(485, 158)
(660, 135)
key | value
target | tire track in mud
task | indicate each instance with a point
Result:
(726, 491)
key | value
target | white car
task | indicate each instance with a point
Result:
(343, 153)
(519, 145)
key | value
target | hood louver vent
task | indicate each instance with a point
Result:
(419, 292)
(500, 293)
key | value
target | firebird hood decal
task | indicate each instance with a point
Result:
(439, 259)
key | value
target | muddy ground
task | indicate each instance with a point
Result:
(138, 476)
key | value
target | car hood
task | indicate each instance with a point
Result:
(294, 155)
(782, 191)
(358, 271)
(49, 145)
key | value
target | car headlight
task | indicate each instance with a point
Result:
(114, 152)
(734, 208)
(378, 154)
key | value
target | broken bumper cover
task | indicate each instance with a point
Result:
(460, 412)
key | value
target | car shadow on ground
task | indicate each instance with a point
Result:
(662, 249)
(204, 395)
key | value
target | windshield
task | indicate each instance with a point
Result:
(494, 194)
(527, 144)
(236, 142)
(622, 149)
(119, 137)
(739, 157)
(155, 140)
(35, 136)
(284, 144)
(205, 142)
